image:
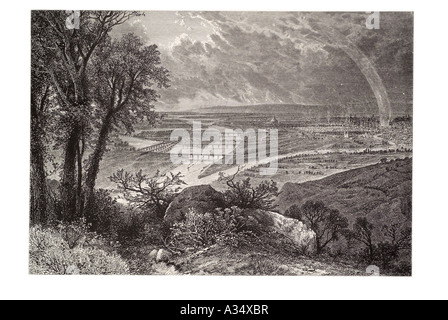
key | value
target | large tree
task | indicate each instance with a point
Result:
(65, 55)
(124, 74)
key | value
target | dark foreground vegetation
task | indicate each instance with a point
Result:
(148, 237)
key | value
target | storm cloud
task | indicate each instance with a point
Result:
(242, 58)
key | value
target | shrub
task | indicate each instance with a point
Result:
(96, 261)
(49, 253)
(228, 227)
(103, 214)
(402, 268)
(363, 233)
(385, 254)
(56, 251)
(149, 192)
(245, 196)
(123, 224)
(129, 227)
(75, 233)
(328, 224)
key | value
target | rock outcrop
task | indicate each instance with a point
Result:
(293, 229)
(201, 198)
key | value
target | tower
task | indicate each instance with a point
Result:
(274, 122)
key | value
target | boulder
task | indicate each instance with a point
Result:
(201, 198)
(295, 230)
(163, 255)
(206, 199)
(153, 255)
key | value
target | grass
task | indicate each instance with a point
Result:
(252, 262)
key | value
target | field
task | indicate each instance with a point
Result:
(309, 149)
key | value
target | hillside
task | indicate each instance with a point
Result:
(382, 193)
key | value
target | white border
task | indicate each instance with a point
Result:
(430, 191)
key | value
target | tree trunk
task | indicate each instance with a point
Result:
(318, 246)
(38, 208)
(72, 174)
(38, 183)
(94, 167)
(68, 183)
(371, 252)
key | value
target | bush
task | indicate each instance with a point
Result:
(96, 261)
(226, 227)
(129, 227)
(103, 214)
(245, 196)
(328, 224)
(402, 268)
(49, 253)
(60, 251)
(154, 193)
(385, 254)
(118, 223)
(76, 233)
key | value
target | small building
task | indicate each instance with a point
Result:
(274, 122)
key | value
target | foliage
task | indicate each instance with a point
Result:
(104, 213)
(403, 268)
(385, 254)
(363, 233)
(65, 56)
(396, 239)
(399, 236)
(75, 234)
(129, 227)
(123, 224)
(243, 195)
(154, 193)
(69, 248)
(328, 224)
(124, 72)
(93, 261)
(93, 84)
(225, 227)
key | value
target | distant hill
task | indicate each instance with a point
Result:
(320, 111)
(382, 193)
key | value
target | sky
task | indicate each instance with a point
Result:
(247, 58)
